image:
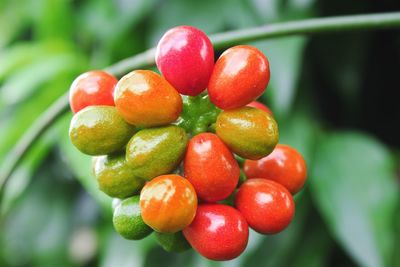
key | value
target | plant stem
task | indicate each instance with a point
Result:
(221, 40)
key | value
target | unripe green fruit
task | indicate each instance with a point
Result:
(175, 242)
(156, 151)
(128, 221)
(99, 130)
(115, 177)
(249, 132)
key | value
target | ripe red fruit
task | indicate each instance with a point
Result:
(284, 165)
(267, 206)
(93, 88)
(210, 167)
(218, 232)
(259, 105)
(240, 75)
(185, 57)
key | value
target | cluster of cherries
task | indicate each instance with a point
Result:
(171, 155)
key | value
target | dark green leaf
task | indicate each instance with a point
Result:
(353, 185)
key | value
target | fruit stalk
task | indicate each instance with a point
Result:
(221, 40)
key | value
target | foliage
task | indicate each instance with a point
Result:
(323, 93)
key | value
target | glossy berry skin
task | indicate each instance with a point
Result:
(185, 57)
(248, 132)
(240, 75)
(210, 167)
(99, 130)
(156, 151)
(168, 203)
(144, 98)
(128, 221)
(93, 88)
(259, 105)
(115, 177)
(284, 165)
(218, 232)
(267, 206)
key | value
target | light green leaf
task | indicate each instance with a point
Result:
(353, 184)
(25, 81)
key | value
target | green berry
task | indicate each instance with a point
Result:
(99, 130)
(115, 177)
(156, 151)
(128, 221)
(248, 132)
(175, 242)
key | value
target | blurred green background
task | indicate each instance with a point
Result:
(335, 97)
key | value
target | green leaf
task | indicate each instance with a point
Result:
(124, 253)
(26, 80)
(285, 56)
(22, 176)
(353, 185)
(208, 17)
(36, 231)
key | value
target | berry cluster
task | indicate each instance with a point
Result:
(169, 154)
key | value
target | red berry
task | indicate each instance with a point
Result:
(267, 206)
(259, 105)
(284, 165)
(93, 88)
(210, 167)
(240, 75)
(218, 232)
(185, 57)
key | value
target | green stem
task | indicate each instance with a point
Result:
(221, 40)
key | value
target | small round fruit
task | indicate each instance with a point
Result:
(156, 151)
(267, 206)
(115, 177)
(218, 232)
(175, 242)
(284, 165)
(249, 132)
(168, 203)
(185, 57)
(128, 221)
(210, 167)
(99, 130)
(144, 98)
(93, 88)
(259, 105)
(241, 74)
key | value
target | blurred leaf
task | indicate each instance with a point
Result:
(121, 252)
(285, 56)
(317, 239)
(24, 82)
(16, 119)
(209, 17)
(51, 18)
(354, 187)
(22, 54)
(13, 19)
(23, 174)
(36, 231)
(81, 165)
(300, 131)
(266, 11)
